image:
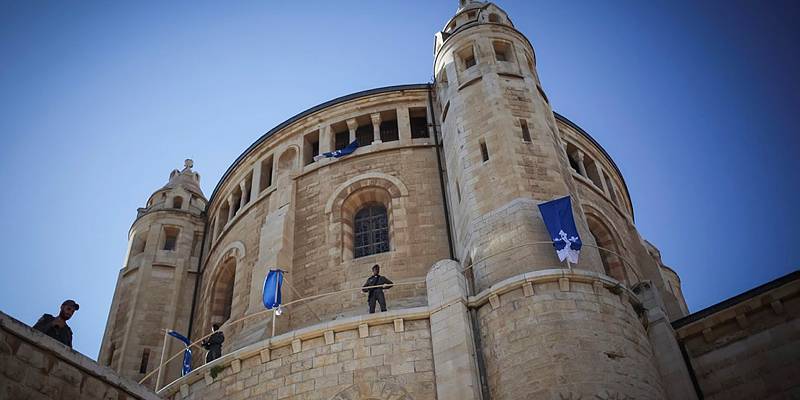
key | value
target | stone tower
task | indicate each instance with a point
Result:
(503, 156)
(155, 286)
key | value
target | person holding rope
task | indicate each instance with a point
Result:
(375, 294)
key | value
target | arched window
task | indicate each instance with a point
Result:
(371, 231)
(612, 264)
(177, 202)
(222, 292)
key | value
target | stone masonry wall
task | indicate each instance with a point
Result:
(36, 367)
(385, 364)
(573, 340)
(750, 350)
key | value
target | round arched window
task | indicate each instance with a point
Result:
(371, 231)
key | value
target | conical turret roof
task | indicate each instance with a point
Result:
(185, 178)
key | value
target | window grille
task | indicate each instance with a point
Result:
(371, 231)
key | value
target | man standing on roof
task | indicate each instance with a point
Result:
(56, 327)
(376, 293)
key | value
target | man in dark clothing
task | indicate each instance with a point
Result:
(214, 344)
(376, 293)
(56, 327)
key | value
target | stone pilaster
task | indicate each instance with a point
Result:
(451, 333)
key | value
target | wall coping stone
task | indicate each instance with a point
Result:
(81, 362)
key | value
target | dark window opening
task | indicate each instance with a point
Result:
(310, 147)
(494, 17)
(145, 360)
(177, 202)
(526, 134)
(266, 174)
(502, 51)
(341, 140)
(371, 231)
(170, 238)
(364, 135)
(467, 56)
(484, 151)
(389, 132)
(419, 122)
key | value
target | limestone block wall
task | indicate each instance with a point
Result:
(154, 290)
(747, 347)
(36, 367)
(378, 358)
(277, 207)
(567, 335)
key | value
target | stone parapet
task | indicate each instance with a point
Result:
(35, 366)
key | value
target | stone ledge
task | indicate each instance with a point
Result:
(82, 363)
(286, 339)
(546, 276)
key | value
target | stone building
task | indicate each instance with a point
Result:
(442, 192)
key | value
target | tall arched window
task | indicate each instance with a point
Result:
(371, 231)
(222, 292)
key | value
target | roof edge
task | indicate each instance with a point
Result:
(605, 153)
(758, 290)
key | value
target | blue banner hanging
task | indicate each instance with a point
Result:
(338, 153)
(557, 216)
(187, 352)
(272, 289)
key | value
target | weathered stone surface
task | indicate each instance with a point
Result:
(37, 367)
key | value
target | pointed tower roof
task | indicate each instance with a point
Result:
(185, 178)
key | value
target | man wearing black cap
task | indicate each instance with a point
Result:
(56, 327)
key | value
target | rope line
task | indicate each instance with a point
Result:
(318, 296)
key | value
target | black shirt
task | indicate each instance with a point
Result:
(45, 324)
(376, 280)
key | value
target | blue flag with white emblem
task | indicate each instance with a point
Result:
(272, 289)
(557, 216)
(338, 153)
(187, 352)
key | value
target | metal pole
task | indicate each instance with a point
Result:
(163, 354)
(275, 310)
(273, 321)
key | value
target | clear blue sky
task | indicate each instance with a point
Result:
(697, 102)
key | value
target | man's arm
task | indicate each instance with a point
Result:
(387, 283)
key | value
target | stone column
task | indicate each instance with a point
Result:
(230, 208)
(352, 125)
(255, 188)
(325, 139)
(581, 165)
(602, 176)
(454, 362)
(243, 188)
(403, 125)
(376, 127)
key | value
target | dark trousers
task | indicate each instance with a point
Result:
(376, 295)
(214, 352)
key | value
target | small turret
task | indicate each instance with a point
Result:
(155, 286)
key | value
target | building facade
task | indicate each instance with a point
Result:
(442, 193)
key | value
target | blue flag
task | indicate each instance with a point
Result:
(187, 352)
(338, 153)
(272, 289)
(557, 216)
